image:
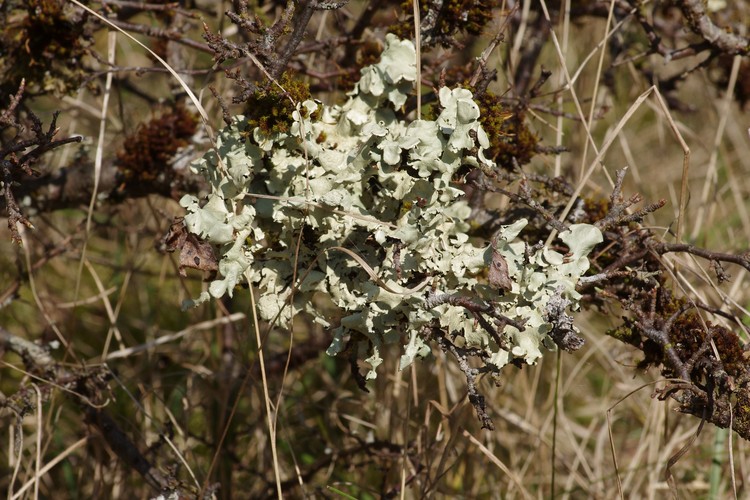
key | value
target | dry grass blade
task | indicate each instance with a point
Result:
(173, 337)
(711, 175)
(32, 285)
(196, 102)
(595, 90)
(500, 465)
(48, 466)
(573, 93)
(395, 289)
(270, 415)
(418, 47)
(164, 63)
(610, 139)
(111, 38)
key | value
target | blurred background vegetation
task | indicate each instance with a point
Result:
(131, 397)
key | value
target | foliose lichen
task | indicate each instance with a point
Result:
(384, 231)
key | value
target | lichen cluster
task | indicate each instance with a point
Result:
(383, 230)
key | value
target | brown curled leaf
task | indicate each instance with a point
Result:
(498, 275)
(194, 252)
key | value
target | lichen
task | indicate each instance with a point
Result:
(384, 231)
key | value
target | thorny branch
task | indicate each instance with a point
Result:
(626, 269)
(742, 260)
(618, 212)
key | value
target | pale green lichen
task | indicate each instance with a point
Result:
(360, 178)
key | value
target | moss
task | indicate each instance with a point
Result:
(509, 136)
(453, 18)
(145, 156)
(625, 333)
(688, 335)
(270, 109)
(45, 47)
(595, 209)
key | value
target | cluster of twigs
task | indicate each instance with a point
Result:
(25, 145)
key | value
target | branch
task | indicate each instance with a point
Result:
(617, 215)
(701, 24)
(477, 310)
(475, 398)
(298, 33)
(664, 248)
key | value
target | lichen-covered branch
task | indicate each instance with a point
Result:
(722, 39)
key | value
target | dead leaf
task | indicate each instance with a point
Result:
(175, 237)
(194, 252)
(498, 276)
(198, 254)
